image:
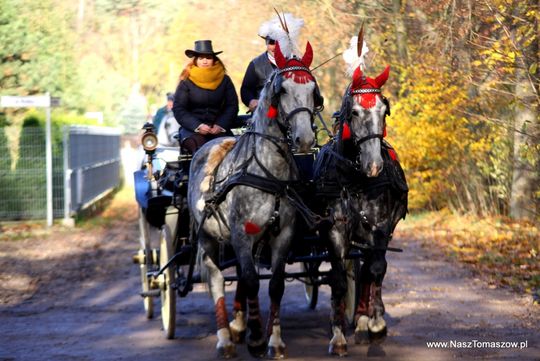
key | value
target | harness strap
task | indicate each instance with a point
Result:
(247, 179)
(368, 137)
(298, 110)
(274, 140)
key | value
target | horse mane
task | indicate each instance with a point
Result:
(261, 111)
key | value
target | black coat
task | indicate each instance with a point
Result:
(194, 106)
(258, 70)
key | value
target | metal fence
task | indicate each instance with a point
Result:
(86, 165)
(92, 165)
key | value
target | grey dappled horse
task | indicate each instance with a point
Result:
(364, 190)
(239, 195)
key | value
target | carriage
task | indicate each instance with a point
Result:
(269, 198)
(167, 257)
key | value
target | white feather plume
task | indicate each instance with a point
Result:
(351, 56)
(288, 43)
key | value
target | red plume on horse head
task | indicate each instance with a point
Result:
(358, 79)
(308, 55)
(307, 58)
(278, 55)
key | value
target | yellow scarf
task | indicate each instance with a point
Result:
(207, 78)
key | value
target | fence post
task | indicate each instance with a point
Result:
(67, 221)
(48, 161)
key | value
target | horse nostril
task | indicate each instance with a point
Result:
(297, 140)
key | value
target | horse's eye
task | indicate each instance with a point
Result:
(355, 113)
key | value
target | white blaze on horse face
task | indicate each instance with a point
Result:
(366, 122)
(296, 96)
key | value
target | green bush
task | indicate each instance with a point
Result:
(6, 175)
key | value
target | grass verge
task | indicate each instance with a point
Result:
(503, 250)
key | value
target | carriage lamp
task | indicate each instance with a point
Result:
(149, 139)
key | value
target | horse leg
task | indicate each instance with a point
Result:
(377, 324)
(249, 289)
(238, 324)
(276, 347)
(370, 323)
(225, 348)
(338, 276)
(361, 332)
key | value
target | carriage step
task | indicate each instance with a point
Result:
(151, 293)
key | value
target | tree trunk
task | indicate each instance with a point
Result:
(401, 31)
(524, 198)
(80, 16)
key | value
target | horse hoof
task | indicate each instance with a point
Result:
(238, 336)
(226, 352)
(361, 337)
(338, 350)
(275, 353)
(377, 337)
(257, 349)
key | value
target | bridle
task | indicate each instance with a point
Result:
(351, 94)
(285, 118)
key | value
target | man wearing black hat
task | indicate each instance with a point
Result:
(161, 112)
(257, 72)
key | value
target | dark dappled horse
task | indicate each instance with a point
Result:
(239, 195)
(364, 190)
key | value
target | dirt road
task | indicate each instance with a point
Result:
(73, 295)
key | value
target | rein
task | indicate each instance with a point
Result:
(268, 183)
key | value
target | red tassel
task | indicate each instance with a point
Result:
(392, 154)
(384, 132)
(272, 112)
(251, 228)
(346, 134)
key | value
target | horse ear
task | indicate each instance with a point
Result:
(381, 79)
(308, 55)
(357, 78)
(278, 55)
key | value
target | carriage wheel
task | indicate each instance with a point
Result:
(311, 291)
(166, 281)
(145, 252)
(353, 289)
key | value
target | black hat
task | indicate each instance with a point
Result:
(202, 47)
(170, 96)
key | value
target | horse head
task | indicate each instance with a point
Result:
(364, 111)
(295, 97)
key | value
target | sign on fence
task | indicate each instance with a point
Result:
(38, 101)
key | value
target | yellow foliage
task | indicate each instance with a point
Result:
(429, 131)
